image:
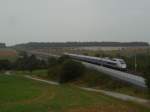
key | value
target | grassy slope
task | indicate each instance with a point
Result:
(11, 58)
(99, 80)
(18, 94)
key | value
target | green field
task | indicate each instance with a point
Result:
(18, 94)
(10, 58)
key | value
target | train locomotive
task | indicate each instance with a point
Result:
(114, 63)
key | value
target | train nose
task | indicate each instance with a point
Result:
(124, 66)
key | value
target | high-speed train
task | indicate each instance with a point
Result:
(114, 63)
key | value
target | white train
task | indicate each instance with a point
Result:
(111, 63)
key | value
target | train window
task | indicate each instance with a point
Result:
(122, 62)
(111, 63)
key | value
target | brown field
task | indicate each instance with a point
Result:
(7, 53)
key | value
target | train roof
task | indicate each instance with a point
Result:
(91, 57)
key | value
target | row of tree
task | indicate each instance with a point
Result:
(63, 69)
(2, 45)
(24, 62)
(38, 45)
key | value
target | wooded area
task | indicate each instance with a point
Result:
(2, 45)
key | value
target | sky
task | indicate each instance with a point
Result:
(24, 21)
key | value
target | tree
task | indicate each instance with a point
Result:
(70, 71)
(54, 72)
(29, 63)
(63, 59)
(42, 64)
(32, 63)
(52, 62)
(2, 45)
(5, 65)
(147, 76)
(97, 55)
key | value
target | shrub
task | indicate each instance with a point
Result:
(64, 69)
(147, 77)
(54, 72)
(5, 65)
(63, 59)
(70, 71)
(52, 62)
(29, 63)
(97, 55)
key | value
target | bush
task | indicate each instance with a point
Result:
(54, 72)
(97, 55)
(70, 71)
(52, 62)
(64, 69)
(5, 65)
(30, 63)
(63, 59)
(147, 77)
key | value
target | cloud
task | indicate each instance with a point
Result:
(74, 20)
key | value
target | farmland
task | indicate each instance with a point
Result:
(9, 54)
(19, 94)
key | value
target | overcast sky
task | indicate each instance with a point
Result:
(74, 20)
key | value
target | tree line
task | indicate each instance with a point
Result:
(24, 63)
(38, 45)
(63, 69)
(2, 45)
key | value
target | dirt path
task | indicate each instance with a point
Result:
(118, 95)
(42, 80)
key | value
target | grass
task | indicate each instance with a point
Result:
(11, 58)
(18, 94)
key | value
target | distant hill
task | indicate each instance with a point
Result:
(2, 45)
(38, 45)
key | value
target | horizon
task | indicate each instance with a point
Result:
(67, 42)
(7, 44)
